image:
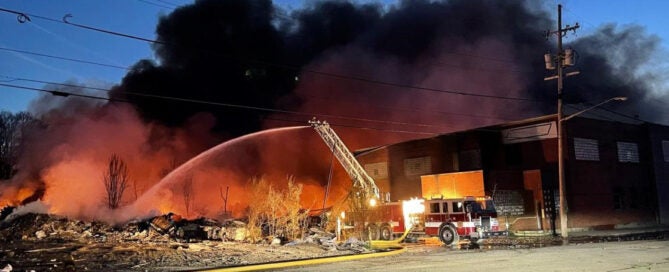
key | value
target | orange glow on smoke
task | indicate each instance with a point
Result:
(24, 193)
(75, 155)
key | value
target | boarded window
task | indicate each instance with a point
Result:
(665, 150)
(628, 152)
(417, 166)
(586, 149)
(377, 170)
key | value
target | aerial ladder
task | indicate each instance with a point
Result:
(360, 178)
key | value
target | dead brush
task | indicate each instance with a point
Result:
(276, 213)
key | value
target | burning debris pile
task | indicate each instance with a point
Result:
(47, 242)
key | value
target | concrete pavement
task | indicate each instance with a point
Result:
(611, 256)
(586, 252)
(644, 248)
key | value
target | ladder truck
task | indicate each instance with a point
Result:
(467, 217)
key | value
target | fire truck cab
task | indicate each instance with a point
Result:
(470, 217)
(449, 219)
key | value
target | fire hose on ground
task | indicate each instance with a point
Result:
(388, 248)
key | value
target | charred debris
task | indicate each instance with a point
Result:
(168, 227)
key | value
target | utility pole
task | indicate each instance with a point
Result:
(562, 59)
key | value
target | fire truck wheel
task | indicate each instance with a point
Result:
(386, 232)
(372, 231)
(448, 235)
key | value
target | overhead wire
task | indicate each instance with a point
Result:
(66, 20)
(58, 93)
(129, 68)
(167, 2)
(349, 77)
(229, 105)
(156, 4)
(68, 94)
(12, 78)
(63, 58)
(25, 17)
(606, 110)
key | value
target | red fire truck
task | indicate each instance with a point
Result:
(449, 219)
(470, 217)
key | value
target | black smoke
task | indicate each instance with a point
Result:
(252, 53)
(619, 62)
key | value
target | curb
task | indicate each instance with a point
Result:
(279, 265)
(529, 233)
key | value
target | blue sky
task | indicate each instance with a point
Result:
(139, 18)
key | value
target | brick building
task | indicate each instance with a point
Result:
(616, 169)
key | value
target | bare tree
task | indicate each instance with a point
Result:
(187, 193)
(11, 126)
(116, 180)
(225, 200)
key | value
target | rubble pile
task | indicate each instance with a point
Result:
(43, 242)
(516, 242)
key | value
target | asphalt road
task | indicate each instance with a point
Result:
(611, 256)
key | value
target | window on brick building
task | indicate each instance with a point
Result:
(417, 166)
(628, 152)
(377, 170)
(586, 149)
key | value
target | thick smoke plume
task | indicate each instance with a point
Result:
(384, 73)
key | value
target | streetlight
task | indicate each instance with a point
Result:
(563, 198)
(617, 98)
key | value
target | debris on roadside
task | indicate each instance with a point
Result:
(52, 243)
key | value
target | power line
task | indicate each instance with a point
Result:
(68, 94)
(65, 20)
(60, 93)
(167, 2)
(419, 111)
(54, 83)
(63, 58)
(156, 4)
(246, 107)
(68, 16)
(312, 97)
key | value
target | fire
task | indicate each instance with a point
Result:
(69, 158)
(17, 195)
(411, 208)
(24, 193)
